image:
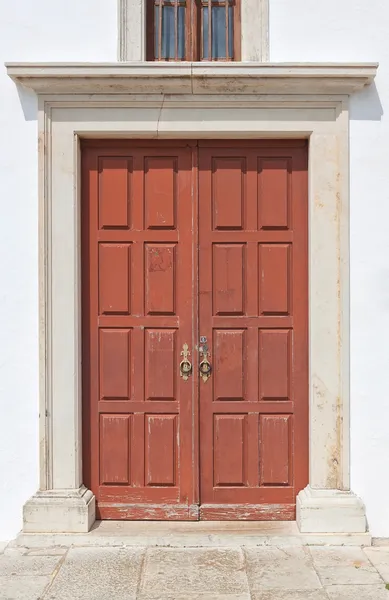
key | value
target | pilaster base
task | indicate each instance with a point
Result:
(60, 511)
(330, 511)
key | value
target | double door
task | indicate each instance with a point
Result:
(195, 340)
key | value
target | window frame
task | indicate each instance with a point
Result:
(193, 33)
(253, 39)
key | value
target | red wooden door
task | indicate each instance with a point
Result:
(253, 313)
(137, 315)
(203, 244)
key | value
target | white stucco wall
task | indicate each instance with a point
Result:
(352, 30)
(356, 30)
(41, 30)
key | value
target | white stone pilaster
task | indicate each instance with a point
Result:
(330, 511)
(327, 505)
(60, 511)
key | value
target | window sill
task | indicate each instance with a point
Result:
(193, 78)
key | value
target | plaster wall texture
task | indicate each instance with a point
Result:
(45, 31)
(356, 31)
(30, 31)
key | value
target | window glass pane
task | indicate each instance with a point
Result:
(168, 46)
(205, 32)
(218, 36)
(156, 32)
(218, 32)
(181, 32)
(231, 31)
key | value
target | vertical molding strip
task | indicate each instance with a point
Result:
(131, 30)
(255, 30)
(122, 30)
(264, 26)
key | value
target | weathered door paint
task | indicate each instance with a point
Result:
(253, 311)
(185, 241)
(138, 313)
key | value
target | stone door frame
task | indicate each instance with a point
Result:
(71, 109)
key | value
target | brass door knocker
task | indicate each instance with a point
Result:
(185, 364)
(205, 366)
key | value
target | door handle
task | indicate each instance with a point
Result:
(185, 364)
(205, 366)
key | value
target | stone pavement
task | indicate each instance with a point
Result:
(163, 573)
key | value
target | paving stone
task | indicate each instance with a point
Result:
(357, 592)
(290, 595)
(15, 551)
(99, 574)
(22, 588)
(3, 546)
(188, 596)
(380, 558)
(345, 565)
(109, 573)
(27, 565)
(276, 568)
(55, 551)
(193, 572)
(270, 553)
(327, 556)
(348, 575)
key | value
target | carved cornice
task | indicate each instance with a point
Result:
(193, 78)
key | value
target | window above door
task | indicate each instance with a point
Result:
(193, 30)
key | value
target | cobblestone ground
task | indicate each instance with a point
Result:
(240, 573)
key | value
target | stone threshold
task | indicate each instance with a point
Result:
(199, 534)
